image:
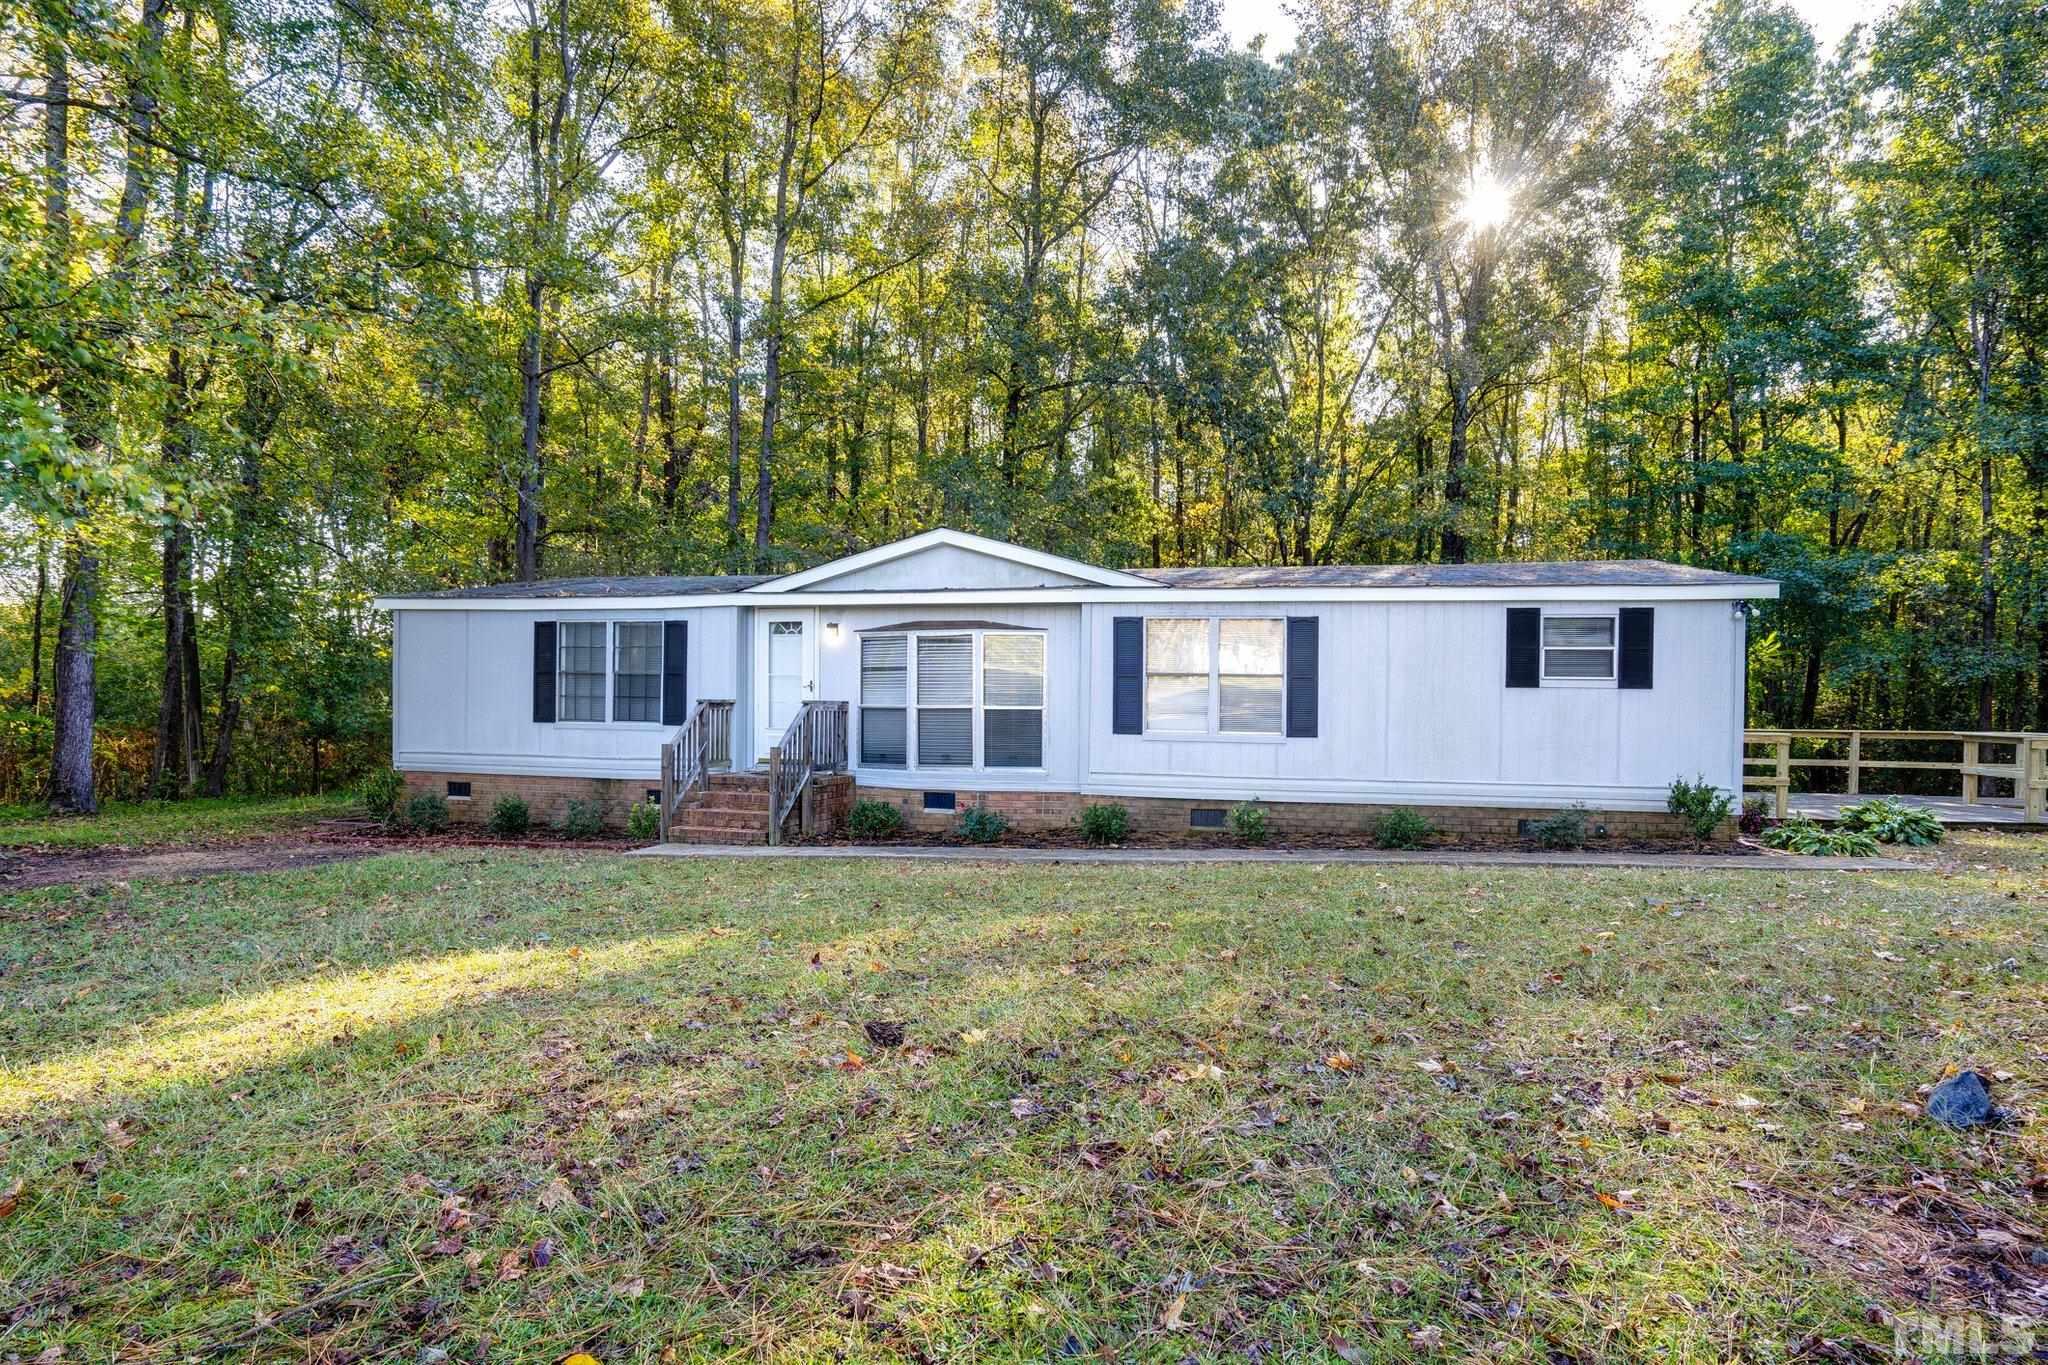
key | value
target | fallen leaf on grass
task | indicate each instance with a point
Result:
(511, 1266)
(117, 1136)
(630, 1289)
(1340, 1060)
(580, 1358)
(10, 1198)
(556, 1194)
(852, 1062)
(1344, 1350)
(1437, 1066)
(1748, 1102)
(1171, 1318)
(972, 1036)
(1426, 1338)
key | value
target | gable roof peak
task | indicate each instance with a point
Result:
(1088, 573)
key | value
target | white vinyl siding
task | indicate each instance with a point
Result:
(1579, 650)
(1214, 675)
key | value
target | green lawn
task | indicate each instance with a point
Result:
(144, 823)
(514, 1106)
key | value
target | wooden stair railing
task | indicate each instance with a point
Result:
(814, 743)
(703, 744)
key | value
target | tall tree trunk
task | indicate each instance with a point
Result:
(736, 280)
(71, 785)
(35, 649)
(1454, 544)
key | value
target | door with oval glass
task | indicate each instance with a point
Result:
(785, 671)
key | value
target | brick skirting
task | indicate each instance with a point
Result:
(548, 797)
(1169, 815)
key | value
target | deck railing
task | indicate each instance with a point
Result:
(703, 744)
(814, 743)
(2027, 769)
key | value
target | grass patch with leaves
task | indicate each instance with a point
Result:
(520, 1105)
(141, 824)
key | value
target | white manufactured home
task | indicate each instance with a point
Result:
(950, 670)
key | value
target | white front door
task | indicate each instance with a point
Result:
(785, 671)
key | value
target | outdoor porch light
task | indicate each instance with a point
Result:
(832, 632)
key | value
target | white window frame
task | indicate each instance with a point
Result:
(1214, 733)
(1613, 678)
(611, 672)
(977, 707)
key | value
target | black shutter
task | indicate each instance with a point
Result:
(1303, 672)
(1525, 651)
(1127, 686)
(675, 672)
(544, 672)
(1638, 647)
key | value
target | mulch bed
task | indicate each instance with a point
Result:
(1312, 843)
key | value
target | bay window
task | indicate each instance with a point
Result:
(952, 699)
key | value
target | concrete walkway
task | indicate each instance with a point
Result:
(1703, 862)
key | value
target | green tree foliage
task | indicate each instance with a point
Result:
(298, 306)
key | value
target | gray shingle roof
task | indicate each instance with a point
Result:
(1584, 573)
(1591, 573)
(652, 585)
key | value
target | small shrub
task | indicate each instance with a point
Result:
(511, 817)
(871, 819)
(427, 813)
(1755, 810)
(1566, 829)
(582, 820)
(1105, 824)
(1801, 835)
(1250, 823)
(1401, 828)
(643, 820)
(1893, 822)
(979, 824)
(1699, 803)
(381, 792)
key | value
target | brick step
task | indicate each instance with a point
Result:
(712, 818)
(686, 834)
(738, 781)
(728, 800)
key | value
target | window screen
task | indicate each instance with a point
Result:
(1578, 648)
(884, 691)
(1248, 688)
(636, 672)
(1177, 674)
(1013, 701)
(945, 701)
(580, 695)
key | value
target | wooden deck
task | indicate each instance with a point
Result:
(1950, 810)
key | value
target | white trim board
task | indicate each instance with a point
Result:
(1223, 597)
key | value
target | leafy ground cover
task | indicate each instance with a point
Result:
(515, 1105)
(151, 823)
